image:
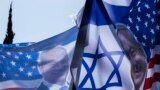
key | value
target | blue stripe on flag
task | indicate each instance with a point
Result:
(93, 15)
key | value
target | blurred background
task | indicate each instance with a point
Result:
(36, 20)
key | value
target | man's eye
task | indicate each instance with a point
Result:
(132, 52)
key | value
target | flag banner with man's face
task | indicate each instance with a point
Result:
(142, 18)
(118, 58)
(37, 66)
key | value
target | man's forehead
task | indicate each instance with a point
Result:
(125, 33)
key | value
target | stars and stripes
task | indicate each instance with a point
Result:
(153, 75)
(150, 28)
(143, 21)
(14, 69)
(19, 66)
(24, 66)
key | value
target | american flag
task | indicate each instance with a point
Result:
(142, 20)
(18, 69)
(142, 17)
(27, 66)
(153, 75)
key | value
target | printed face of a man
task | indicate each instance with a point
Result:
(135, 54)
(54, 65)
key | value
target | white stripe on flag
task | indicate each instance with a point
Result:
(155, 86)
(151, 71)
(119, 2)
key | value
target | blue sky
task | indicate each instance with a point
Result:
(36, 20)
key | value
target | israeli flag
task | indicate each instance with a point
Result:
(118, 9)
(105, 65)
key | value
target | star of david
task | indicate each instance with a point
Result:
(97, 56)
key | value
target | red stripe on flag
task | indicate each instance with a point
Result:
(151, 63)
(154, 60)
(151, 80)
(148, 83)
(156, 76)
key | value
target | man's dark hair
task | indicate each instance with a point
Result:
(122, 28)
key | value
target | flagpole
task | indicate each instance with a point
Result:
(79, 47)
(77, 58)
